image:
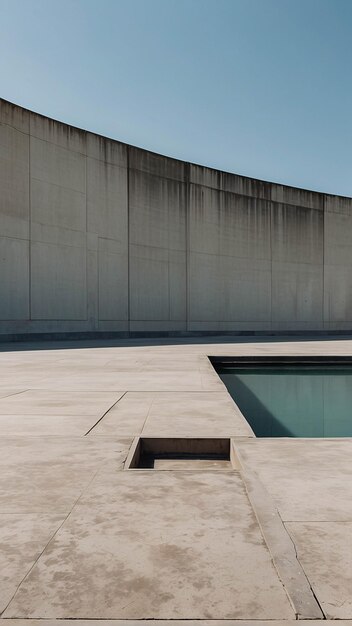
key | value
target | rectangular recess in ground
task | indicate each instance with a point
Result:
(181, 453)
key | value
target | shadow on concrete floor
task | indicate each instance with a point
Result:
(44, 343)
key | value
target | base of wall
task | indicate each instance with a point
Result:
(106, 335)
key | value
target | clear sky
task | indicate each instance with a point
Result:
(257, 87)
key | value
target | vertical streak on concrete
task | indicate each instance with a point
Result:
(97, 299)
(271, 264)
(86, 243)
(202, 249)
(168, 268)
(29, 229)
(128, 240)
(188, 247)
(323, 298)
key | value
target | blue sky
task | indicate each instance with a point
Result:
(257, 87)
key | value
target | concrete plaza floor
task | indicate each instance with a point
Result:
(83, 539)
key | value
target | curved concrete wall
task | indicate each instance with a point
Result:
(96, 235)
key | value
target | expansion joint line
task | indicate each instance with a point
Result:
(298, 560)
(50, 540)
(106, 412)
(281, 547)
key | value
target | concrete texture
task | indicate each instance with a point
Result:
(48, 474)
(325, 549)
(176, 622)
(281, 546)
(163, 414)
(82, 538)
(22, 540)
(188, 414)
(99, 236)
(304, 476)
(160, 567)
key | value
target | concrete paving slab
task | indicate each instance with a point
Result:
(127, 381)
(57, 402)
(210, 380)
(213, 414)
(151, 360)
(181, 414)
(24, 372)
(280, 544)
(48, 474)
(46, 425)
(127, 417)
(325, 551)
(308, 479)
(22, 539)
(12, 381)
(162, 545)
(175, 622)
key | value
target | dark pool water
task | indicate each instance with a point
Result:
(294, 401)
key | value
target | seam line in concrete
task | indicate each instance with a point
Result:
(128, 241)
(82, 193)
(102, 417)
(296, 553)
(323, 312)
(50, 540)
(146, 419)
(17, 393)
(281, 547)
(188, 245)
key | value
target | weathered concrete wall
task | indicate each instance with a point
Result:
(96, 235)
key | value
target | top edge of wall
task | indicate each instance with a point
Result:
(122, 154)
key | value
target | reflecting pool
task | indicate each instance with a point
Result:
(293, 401)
